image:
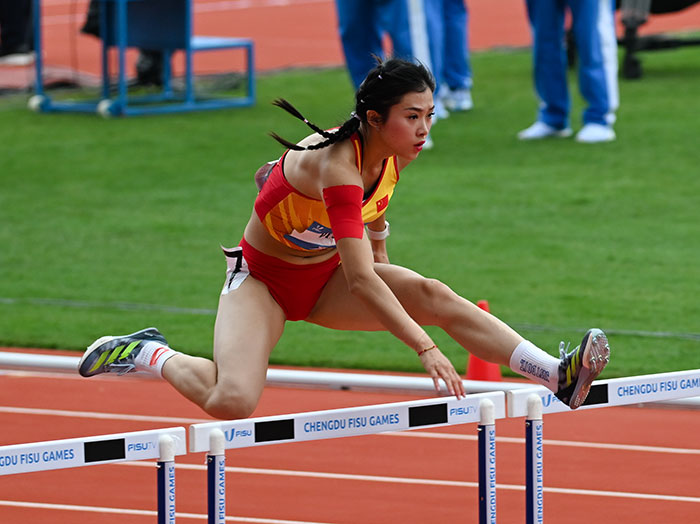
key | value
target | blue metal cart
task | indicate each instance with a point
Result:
(164, 25)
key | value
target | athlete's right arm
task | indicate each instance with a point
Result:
(341, 189)
(341, 185)
(364, 283)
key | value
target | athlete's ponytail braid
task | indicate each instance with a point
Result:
(344, 131)
(384, 87)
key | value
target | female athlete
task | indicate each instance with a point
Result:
(314, 249)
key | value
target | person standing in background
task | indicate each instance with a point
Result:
(593, 26)
(150, 63)
(362, 25)
(431, 32)
(448, 27)
(16, 46)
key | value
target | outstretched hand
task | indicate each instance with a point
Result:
(439, 367)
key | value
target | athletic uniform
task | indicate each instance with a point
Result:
(301, 223)
(596, 45)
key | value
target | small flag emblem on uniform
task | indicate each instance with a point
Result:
(382, 203)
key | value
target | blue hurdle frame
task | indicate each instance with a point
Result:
(484, 408)
(116, 34)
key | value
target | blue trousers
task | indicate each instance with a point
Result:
(433, 32)
(449, 42)
(596, 45)
(362, 24)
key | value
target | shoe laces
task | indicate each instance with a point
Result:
(563, 349)
(121, 369)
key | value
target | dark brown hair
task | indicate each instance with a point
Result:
(383, 87)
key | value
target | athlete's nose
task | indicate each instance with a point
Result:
(424, 128)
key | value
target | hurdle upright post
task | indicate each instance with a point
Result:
(166, 480)
(216, 478)
(487, 462)
(364, 420)
(534, 465)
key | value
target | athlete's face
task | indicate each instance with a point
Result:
(408, 124)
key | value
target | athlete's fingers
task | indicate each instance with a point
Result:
(459, 384)
(455, 386)
(451, 378)
(436, 383)
(440, 368)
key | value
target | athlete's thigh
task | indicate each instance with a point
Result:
(248, 325)
(337, 308)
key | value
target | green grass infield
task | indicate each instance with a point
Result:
(109, 226)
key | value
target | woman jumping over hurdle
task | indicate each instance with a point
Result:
(314, 249)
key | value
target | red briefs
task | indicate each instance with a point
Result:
(295, 287)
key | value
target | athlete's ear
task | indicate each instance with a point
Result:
(373, 118)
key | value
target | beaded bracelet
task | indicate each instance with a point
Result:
(420, 353)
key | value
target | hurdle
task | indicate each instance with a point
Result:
(215, 437)
(624, 391)
(161, 444)
(532, 403)
(487, 462)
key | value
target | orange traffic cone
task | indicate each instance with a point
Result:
(478, 369)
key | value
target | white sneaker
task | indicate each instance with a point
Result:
(17, 59)
(440, 112)
(595, 133)
(458, 99)
(540, 130)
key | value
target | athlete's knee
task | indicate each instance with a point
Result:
(434, 299)
(230, 403)
(435, 292)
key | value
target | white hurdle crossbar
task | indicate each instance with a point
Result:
(161, 444)
(533, 402)
(614, 392)
(336, 423)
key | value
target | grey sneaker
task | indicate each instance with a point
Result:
(458, 99)
(578, 369)
(595, 133)
(117, 354)
(540, 130)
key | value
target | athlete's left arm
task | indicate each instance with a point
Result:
(380, 227)
(381, 224)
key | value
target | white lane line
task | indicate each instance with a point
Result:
(141, 512)
(424, 482)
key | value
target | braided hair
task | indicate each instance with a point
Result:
(383, 87)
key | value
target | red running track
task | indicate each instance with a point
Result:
(614, 465)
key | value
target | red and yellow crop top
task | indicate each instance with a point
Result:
(301, 222)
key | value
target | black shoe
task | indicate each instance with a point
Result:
(149, 68)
